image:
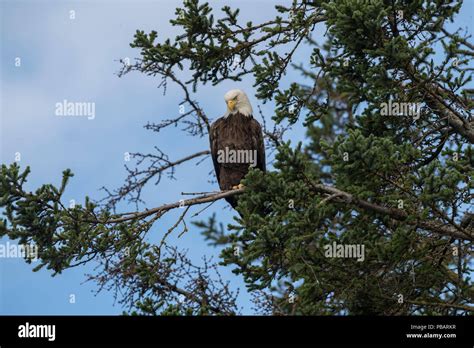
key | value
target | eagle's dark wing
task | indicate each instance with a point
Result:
(213, 139)
(258, 144)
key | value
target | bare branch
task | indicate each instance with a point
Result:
(161, 210)
(137, 179)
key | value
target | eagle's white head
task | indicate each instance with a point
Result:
(237, 101)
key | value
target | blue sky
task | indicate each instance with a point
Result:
(78, 60)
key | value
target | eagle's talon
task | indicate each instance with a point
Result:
(238, 187)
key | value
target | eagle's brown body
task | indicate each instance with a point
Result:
(236, 132)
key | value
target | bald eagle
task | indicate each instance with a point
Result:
(236, 143)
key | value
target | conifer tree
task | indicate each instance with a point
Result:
(385, 170)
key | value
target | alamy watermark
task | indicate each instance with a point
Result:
(37, 331)
(237, 156)
(25, 251)
(356, 251)
(393, 108)
(68, 108)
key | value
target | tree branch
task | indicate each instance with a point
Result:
(167, 207)
(395, 213)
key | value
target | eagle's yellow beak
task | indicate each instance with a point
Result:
(231, 104)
